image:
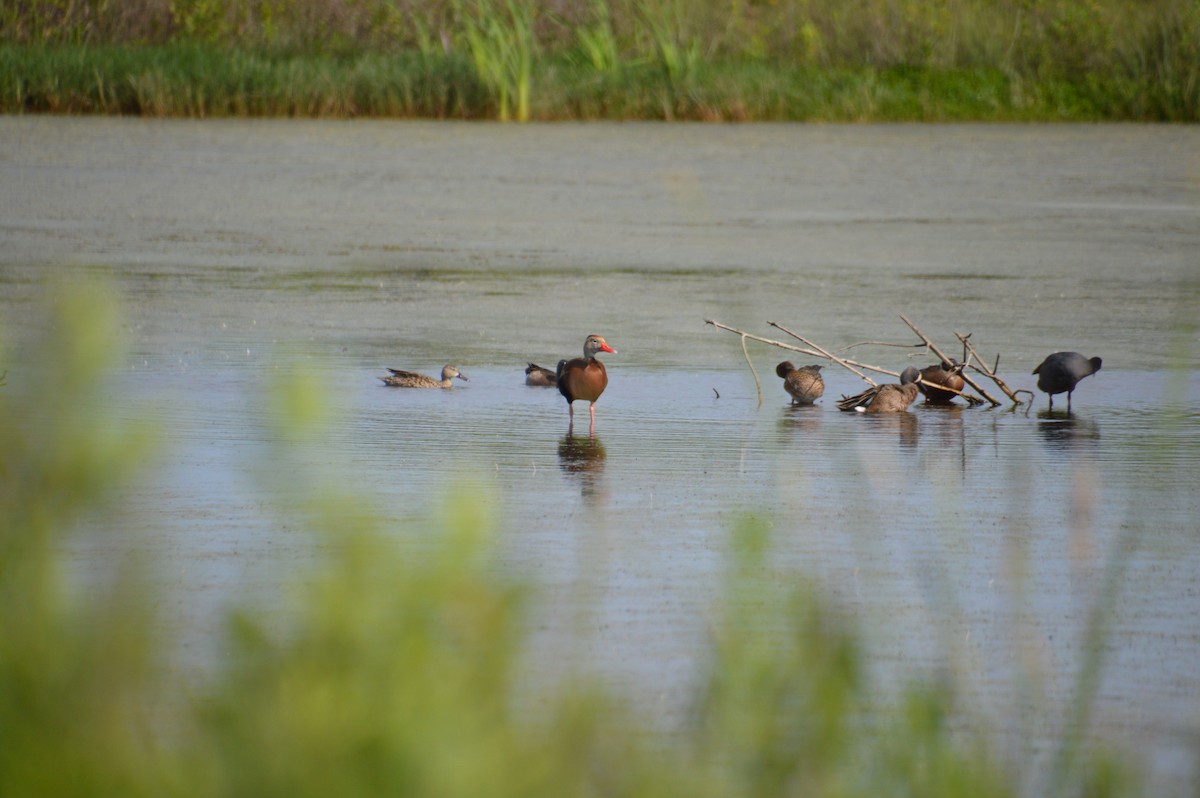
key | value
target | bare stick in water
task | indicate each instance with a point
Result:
(934, 348)
(840, 361)
(990, 372)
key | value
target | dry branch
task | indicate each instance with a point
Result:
(793, 348)
(985, 370)
(935, 350)
(843, 363)
(854, 366)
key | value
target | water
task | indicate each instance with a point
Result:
(973, 541)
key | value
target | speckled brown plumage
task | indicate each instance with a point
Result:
(805, 384)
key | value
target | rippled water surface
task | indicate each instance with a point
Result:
(972, 541)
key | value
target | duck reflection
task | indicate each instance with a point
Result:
(1063, 429)
(944, 431)
(800, 418)
(583, 459)
(905, 425)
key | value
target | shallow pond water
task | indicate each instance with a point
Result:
(965, 540)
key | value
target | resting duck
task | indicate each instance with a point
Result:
(584, 378)
(946, 374)
(542, 378)
(805, 384)
(1062, 371)
(410, 379)
(885, 398)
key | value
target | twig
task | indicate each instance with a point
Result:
(971, 400)
(793, 348)
(750, 363)
(753, 337)
(841, 362)
(983, 369)
(933, 348)
(744, 336)
(881, 343)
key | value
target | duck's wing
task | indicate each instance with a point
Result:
(859, 399)
(405, 374)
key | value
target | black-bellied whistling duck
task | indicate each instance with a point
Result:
(945, 374)
(885, 398)
(804, 384)
(1062, 371)
(410, 379)
(542, 378)
(584, 378)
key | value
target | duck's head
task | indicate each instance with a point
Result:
(449, 372)
(595, 344)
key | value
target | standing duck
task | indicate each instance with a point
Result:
(885, 398)
(410, 379)
(1062, 371)
(540, 377)
(805, 384)
(584, 378)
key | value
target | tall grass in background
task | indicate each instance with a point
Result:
(500, 36)
(1056, 59)
(402, 669)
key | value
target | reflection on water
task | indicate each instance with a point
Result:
(801, 418)
(583, 459)
(1062, 429)
(904, 425)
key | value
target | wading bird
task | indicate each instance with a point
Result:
(584, 378)
(1062, 371)
(804, 384)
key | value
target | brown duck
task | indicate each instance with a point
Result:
(584, 378)
(804, 384)
(945, 374)
(540, 377)
(410, 379)
(885, 398)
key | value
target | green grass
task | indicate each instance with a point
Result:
(398, 670)
(590, 59)
(199, 81)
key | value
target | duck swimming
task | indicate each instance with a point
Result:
(540, 377)
(410, 379)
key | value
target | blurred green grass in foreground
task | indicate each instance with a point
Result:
(400, 671)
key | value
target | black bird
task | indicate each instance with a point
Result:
(1062, 371)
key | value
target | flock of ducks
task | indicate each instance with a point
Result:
(585, 378)
(579, 379)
